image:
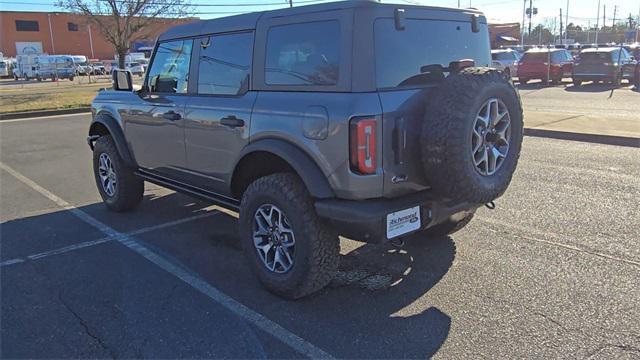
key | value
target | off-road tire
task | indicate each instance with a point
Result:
(129, 188)
(317, 246)
(447, 131)
(448, 227)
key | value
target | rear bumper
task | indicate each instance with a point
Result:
(366, 220)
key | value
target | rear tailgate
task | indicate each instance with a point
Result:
(404, 84)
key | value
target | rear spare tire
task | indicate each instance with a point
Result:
(472, 135)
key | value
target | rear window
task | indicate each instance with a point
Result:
(535, 56)
(416, 56)
(595, 57)
(503, 56)
(303, 54)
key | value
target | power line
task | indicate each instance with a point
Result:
(185, 4)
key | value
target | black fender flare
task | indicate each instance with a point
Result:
(313, 178)
(115, 130)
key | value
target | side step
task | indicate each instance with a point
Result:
(217, 199)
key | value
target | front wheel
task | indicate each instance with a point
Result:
(290, 249)
(119, 187)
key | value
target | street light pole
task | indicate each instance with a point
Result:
(597, 22)
(566, 22)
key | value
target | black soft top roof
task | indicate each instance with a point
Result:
(249, 21)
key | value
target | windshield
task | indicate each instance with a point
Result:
(417, 55)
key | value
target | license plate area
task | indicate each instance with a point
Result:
(403, 221)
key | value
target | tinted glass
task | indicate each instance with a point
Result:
(503, 56)
(27, 25)
(170, 69)
(225, 63)
(595, 57)
(557, 57)
(535, 56)
(416, 56)
(303, 54)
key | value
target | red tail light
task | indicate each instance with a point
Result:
(363, 145)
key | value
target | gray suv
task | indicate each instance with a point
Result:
(359, 119)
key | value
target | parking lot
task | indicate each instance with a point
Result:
(552, 272)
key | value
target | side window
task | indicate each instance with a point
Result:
(225, 64)
(303, 54)
(169, 71)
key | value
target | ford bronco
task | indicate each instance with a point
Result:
(359, 119)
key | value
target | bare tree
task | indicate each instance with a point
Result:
(122, 21)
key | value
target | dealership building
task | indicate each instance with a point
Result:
(65, 33)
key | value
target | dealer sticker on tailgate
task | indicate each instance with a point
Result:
(403, 221)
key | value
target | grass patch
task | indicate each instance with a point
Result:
(45, 101)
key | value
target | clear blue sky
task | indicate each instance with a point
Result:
(580, 11)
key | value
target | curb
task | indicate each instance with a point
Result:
(553, 134)
(42, 113)
(590, 138)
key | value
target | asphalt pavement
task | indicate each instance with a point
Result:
(552, 272)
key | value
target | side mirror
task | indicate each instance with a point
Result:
(122, 80)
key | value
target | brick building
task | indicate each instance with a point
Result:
(63, 33)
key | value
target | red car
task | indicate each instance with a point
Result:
(545, 64)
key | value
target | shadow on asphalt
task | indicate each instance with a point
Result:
(592, 87)
(377, 305)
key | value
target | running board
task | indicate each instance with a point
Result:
(221, 200)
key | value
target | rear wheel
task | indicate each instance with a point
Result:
(292, 252)
(119, 187)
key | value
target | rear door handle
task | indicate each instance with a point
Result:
(172, 115)
(232, 121)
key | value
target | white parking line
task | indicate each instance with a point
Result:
(294, 341)
(86, 244)
(42, 117)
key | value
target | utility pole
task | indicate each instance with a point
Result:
(613, 24)
(566, 23)
(604, 16)
(458, 4)
(530, 15)
(597, 22)
(524, 12)
(560, 25)
(290, 3)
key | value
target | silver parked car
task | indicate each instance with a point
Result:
(506, 60)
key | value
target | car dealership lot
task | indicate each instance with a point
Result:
(554, 271)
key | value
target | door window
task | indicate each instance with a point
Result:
(169, 72)
(225, 64)
(303, 54)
